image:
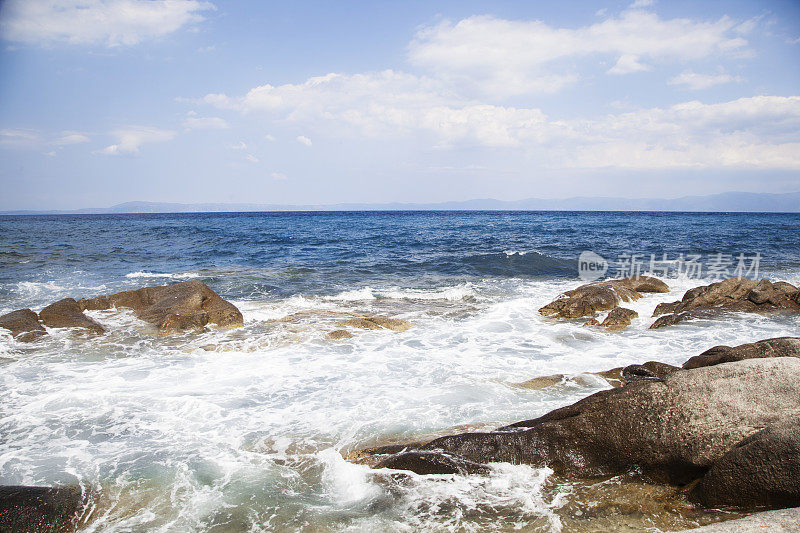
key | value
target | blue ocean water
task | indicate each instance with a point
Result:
(249, 429)
(276, 255)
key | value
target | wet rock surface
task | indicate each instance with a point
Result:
(189, 305)
(778, 347)
(733, 294)
(23, 324)
(40, 509)
(587, 300)
(763, 470)
(67, 313)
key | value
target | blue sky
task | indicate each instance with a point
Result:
(103, 102)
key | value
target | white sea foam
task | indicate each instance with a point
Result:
(178, 275)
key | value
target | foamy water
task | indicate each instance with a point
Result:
(247, 428)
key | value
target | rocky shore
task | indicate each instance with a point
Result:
(722, 430)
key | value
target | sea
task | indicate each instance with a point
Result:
(259, 428)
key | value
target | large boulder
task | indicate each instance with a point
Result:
(23, 324)
(67, 313)
(40, 509)
(619, 318)
(733, 294)
(672, 429)
(778, 347)
(189, 305)
(763, 470)
(588, 299)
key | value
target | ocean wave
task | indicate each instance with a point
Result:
(512, 263)
(180, 275)
(453, 293)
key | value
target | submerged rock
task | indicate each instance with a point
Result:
(671, 430)
(588, 299)
(733, 294)
(763, 470)
(431, 462)
(377, 322)
(340, 334)
(67, 313)
(23, 324)
(189, 305)
(40, 509)
(778, 347)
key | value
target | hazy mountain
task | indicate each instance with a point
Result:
(724, 202)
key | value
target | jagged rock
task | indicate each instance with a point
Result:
(340, 334)
(733, 294)
(588, 299)
(763, 470)
(592, 322)
(649, 371)
(665, 308)
(671, 430)
(778, 347)
(188, 305)
(40, 509)
(377, 322)
(23, 324)
(67, 313)
(619, 318)
(432, 463)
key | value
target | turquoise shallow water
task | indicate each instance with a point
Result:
(246, 429)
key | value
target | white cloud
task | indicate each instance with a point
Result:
(278, 176)
(131, 138)
(71, 137)
(639, 4)
(505, 57)
(240, 146)
(626, 64)
(269, 137)
(18, 138)
(50, 153)
(107, 22)
(302, 139)
(695, 81)
(204, 123)
(251, 158)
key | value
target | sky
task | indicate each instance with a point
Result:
(109, 101)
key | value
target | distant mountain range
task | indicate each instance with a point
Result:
(724, 202)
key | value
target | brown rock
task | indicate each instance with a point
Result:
(377, 322)
(23, 324)
(619, 318)
(340, 334)
(431, 462)
(778, 347)
(763, 470)
(588, 299)
(188, 305)
(733, 294)
(671, 430)
(665, 308)
(67, 313)
(41, 509)
(649, 371)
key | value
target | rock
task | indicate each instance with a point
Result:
(671, 430)
(649, 371)
(432, 463)
(340, 334)
(67, 313)
(591, 322)
(733, 294)
(40, 509)
(23, 324)
(588, 299)
(763, 470)
(619, 318)
(778, 347)
(665, 308)
(188, 305)
(377, 322)
(782, 521)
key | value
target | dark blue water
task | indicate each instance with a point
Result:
(275, 255)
